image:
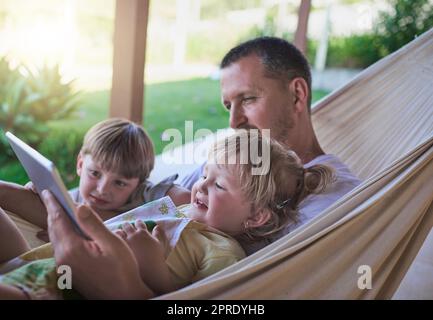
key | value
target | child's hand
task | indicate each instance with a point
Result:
(150, 251)
(31, 187)
(137, 234)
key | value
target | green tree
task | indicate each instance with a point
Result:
(407, 19)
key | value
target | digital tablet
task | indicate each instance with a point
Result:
(44, 175)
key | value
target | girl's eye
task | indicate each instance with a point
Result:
(203, 177)
(219, 186)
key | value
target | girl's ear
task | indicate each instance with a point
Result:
(259, 219)
(79, 164)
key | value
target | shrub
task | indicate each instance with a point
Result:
(29, 100)
(356, 51)
(407, 19)
(13, 172)
(62, 148)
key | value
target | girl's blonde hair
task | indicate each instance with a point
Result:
(279, 190)
(121, 146)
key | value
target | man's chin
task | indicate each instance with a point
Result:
(248, 127)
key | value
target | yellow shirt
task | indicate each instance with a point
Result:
(200, 252)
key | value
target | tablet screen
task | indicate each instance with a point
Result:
(44, 175)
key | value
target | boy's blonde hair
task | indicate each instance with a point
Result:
(281, 188)
(121, 146)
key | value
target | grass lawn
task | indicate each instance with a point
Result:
(167, 105)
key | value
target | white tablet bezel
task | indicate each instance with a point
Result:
(44, 175)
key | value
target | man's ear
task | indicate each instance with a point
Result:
(259, 219)
(79, 163)
(299, 89)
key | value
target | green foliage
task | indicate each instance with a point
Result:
(356, 51)
(52, 100)
(393, 30)
(408, 19)
(13, 172)
(62, 147)
(312, 46)
(29, 100)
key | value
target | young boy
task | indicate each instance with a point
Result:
(113, 164)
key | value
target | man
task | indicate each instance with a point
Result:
(266, 84)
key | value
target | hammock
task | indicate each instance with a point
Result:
(381, 125)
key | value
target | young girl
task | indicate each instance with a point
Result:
(229, 202)
(113, 165)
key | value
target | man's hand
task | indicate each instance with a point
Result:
(31, 187)
(102, 268)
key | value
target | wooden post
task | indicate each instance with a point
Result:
(129, 49)
(301, 31)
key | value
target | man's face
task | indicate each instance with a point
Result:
(255, 100)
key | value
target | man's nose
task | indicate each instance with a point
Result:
(237, 117)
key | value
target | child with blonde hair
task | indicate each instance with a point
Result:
(229, 202)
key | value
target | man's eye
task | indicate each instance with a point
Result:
(248, 99)
(227, 106)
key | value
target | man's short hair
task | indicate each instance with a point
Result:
(280, 58)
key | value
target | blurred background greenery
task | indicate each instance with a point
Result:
(56, 55)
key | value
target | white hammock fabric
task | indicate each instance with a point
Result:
(381, 125)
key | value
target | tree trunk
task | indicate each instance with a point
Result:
(301, 31)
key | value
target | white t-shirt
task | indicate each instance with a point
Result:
(312, 205)
(345, 181)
